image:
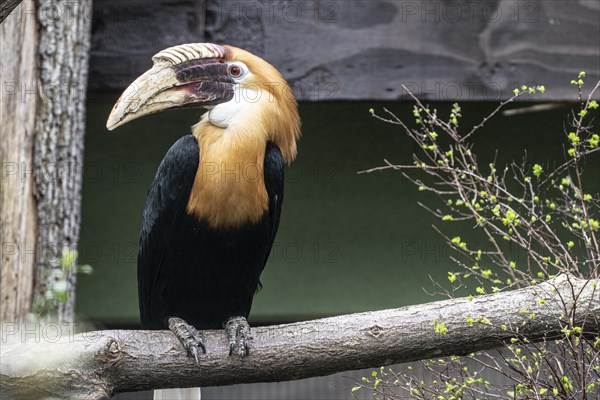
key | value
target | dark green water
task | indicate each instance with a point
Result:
(346, 243)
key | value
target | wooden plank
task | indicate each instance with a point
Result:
(126, 34)
(18, 215)
(357, 49)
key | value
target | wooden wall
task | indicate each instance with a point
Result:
(359, 49)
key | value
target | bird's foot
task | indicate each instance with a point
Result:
(190, 337)
(238, 335)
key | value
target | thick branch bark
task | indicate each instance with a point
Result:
(98, 364)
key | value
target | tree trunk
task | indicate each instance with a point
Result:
(42, 152)
(96, 365)
(63, 50)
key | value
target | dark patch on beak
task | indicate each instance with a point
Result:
(207, 93)
(207, 69)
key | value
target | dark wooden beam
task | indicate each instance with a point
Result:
(355, 49)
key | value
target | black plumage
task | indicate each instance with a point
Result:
(190, 270)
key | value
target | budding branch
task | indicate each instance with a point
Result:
(96, 365)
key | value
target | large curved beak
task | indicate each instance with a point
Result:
(199, 82)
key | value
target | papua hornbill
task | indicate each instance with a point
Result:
(213, 210)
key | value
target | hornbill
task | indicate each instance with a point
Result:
(213, 209)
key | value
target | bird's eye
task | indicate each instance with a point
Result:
(235, 71)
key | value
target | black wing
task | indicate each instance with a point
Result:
(274, 180)
(164, 209)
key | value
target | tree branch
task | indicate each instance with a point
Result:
(6, 7)
(98, 364)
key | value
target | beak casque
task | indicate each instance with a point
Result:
(188, 75)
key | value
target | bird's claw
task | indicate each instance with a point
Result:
(238, 335)
(191, 339)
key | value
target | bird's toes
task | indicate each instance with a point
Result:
(191, 339)
(194, 350)
(240, 348)
(239, 336)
